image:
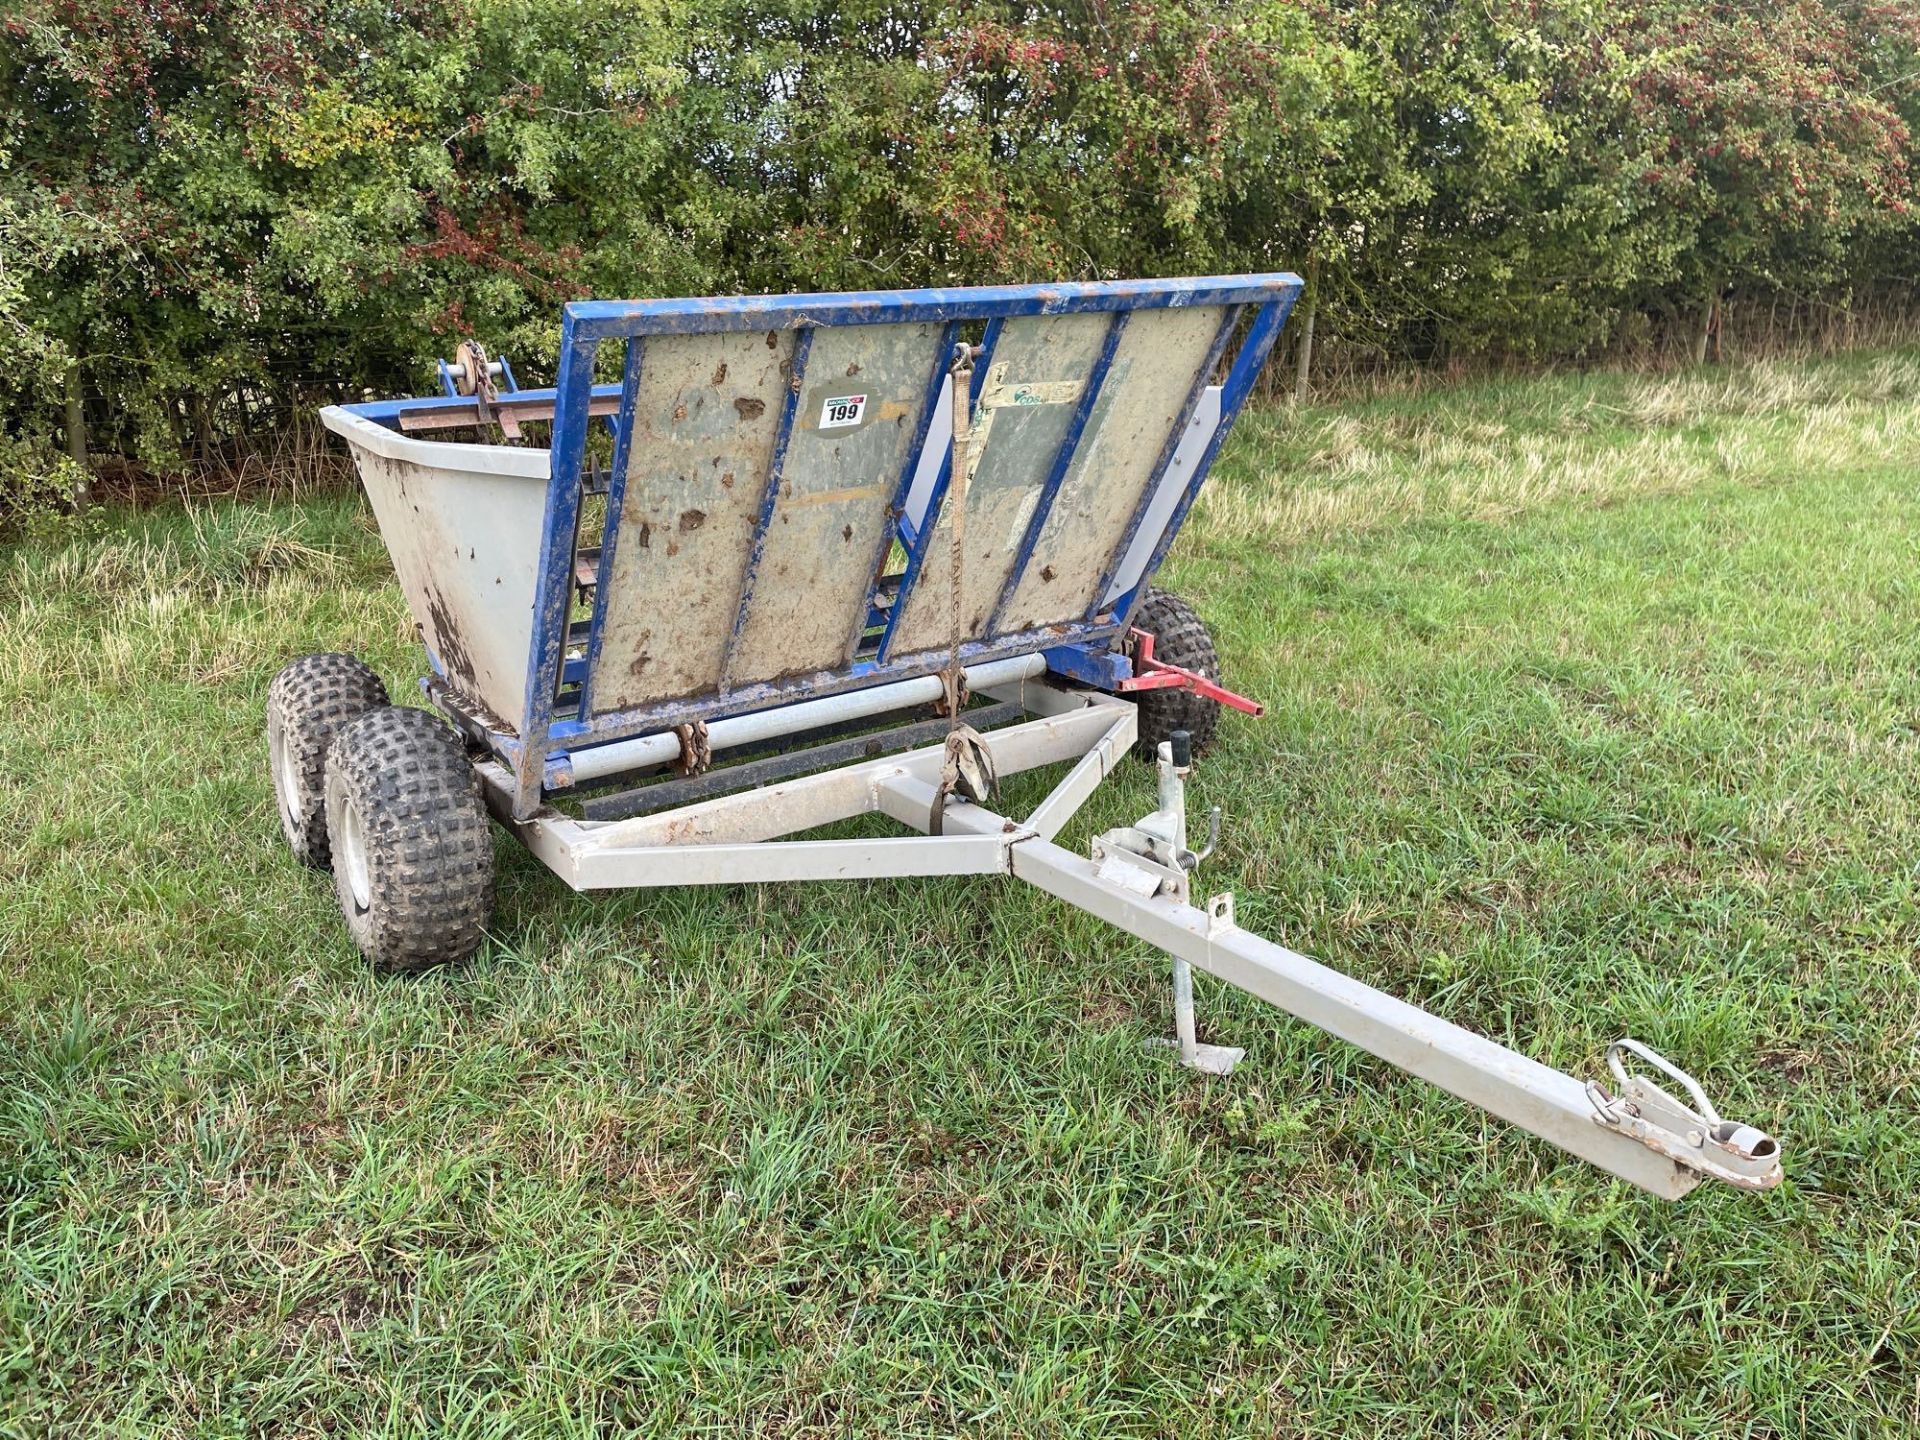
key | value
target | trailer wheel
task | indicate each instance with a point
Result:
(413, 854)
(1180, 638)
(309, 702)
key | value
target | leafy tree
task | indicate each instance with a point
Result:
(1763, 144)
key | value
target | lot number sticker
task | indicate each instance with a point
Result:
(838, 412)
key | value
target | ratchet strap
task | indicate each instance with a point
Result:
(966, 767)
(696, 750)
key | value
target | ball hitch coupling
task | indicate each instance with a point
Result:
(1692, 1135)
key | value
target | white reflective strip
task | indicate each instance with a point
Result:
(1206, 419)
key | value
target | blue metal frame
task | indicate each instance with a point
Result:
(917, 541)
(900, 530)
(1102, 668)
(389, 412)
(1062, 462)
(610, 531)
(1080, 649)
(548, 645)
(604, 319)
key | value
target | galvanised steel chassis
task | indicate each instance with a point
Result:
(735, 838)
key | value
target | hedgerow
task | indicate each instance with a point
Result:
(214, 213)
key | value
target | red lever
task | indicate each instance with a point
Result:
(1152, 674)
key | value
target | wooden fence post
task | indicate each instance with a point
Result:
(1709, 304)
(77, 438)
(1303, 343)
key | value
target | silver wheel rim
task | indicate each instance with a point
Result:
(352, 858)
(284, 778)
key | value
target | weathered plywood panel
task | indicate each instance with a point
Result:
(706, 414)
(1153, 372)
(1034, 379)
(861, 398)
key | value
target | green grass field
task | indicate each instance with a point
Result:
(1593, 709)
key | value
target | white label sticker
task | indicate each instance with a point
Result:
(839, 411)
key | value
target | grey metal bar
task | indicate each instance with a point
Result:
(623, 756)
(1518, 1089)
(866, 726)
(616, 866)
(1535, 1097)
(651, 799)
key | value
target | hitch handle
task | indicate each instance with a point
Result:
(1693, 1135)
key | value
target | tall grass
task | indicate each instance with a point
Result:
(1592, 710)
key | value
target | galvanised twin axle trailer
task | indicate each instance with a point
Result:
(787, 560)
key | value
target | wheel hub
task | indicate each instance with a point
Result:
(352, 857)
(284, 778)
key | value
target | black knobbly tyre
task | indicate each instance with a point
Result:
(413, 853)
(309, 702)
(1179, 638)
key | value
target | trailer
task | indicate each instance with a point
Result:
(782, 561)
